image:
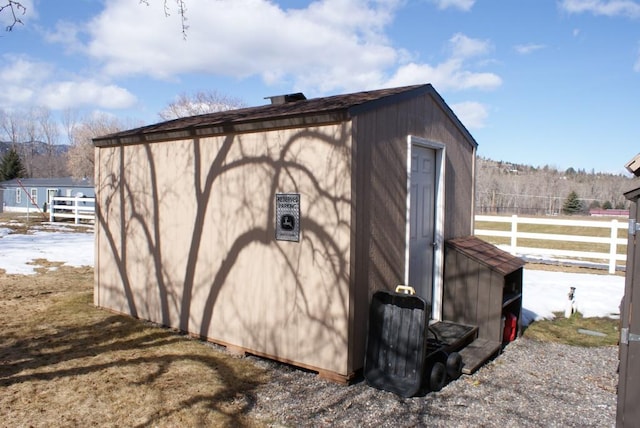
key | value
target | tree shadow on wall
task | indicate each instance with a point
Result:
(133, 197)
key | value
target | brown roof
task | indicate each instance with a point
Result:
(290, 114)
(487, 254)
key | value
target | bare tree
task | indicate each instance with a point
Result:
(81, 153)
(12, 127)
(16, 9)
(182, 10)
(199, 103)
(50, 161)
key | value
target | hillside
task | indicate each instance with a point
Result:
(40, 159)
(508, 188)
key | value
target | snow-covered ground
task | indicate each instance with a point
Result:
(52, 243)
(544, 292)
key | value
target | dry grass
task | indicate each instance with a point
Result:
(571, 331)
(23, 224)
(64, 362)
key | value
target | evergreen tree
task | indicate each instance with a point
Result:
(11, 166)
(573, 204)
(607, 205)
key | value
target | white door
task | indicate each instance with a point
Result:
(422, 221)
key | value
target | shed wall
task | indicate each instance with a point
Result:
(186, 238)
(380, 150)
(628, 412)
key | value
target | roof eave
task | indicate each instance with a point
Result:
(238, 127)
(427, 89)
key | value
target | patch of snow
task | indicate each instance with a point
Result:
(72, 248)
(546, 292)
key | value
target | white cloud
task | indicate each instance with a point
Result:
(448, 75)
(466, 47)
(471, 113)
(27, 82)
(69, 94)
(528, 48)
(464, 5)
(21, 70)
(328, 46)
(628, 8)
(20, 77)
(452, 73)
(65, 33)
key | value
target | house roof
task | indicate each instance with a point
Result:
(298, 113)
(48, 182)
(487, 254)
(634, 193)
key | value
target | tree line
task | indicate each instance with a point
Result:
(34, 144)
(508, 188)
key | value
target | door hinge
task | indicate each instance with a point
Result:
(634, 227)
(626, 337)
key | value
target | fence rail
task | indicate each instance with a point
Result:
(72, 207)
(613, 241)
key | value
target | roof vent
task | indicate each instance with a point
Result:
(288, 98)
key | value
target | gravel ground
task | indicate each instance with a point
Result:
(531, 384)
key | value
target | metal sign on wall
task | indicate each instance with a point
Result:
(288, 217)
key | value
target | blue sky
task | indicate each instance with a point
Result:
(536, 82)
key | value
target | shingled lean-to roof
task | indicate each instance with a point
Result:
(272, 116)
(487, 254)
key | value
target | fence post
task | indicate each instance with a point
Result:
(613, 251)
(514, 232)
(75, 210)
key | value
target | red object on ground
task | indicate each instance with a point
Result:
(510, 327)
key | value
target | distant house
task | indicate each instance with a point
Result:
(23, 194)
(598, 212)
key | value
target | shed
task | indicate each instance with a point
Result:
(267, 229)
(23, 194)
(628, 413)
(483, 288)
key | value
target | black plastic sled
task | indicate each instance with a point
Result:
(397, 341)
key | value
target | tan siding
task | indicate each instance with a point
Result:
(198, 248)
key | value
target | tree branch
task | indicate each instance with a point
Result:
(182, 10)
(15, 8)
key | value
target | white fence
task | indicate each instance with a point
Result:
(612, 241)
(72, 207)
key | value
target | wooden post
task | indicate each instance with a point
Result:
(514, 232)
(75, 210)
(613, 250)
